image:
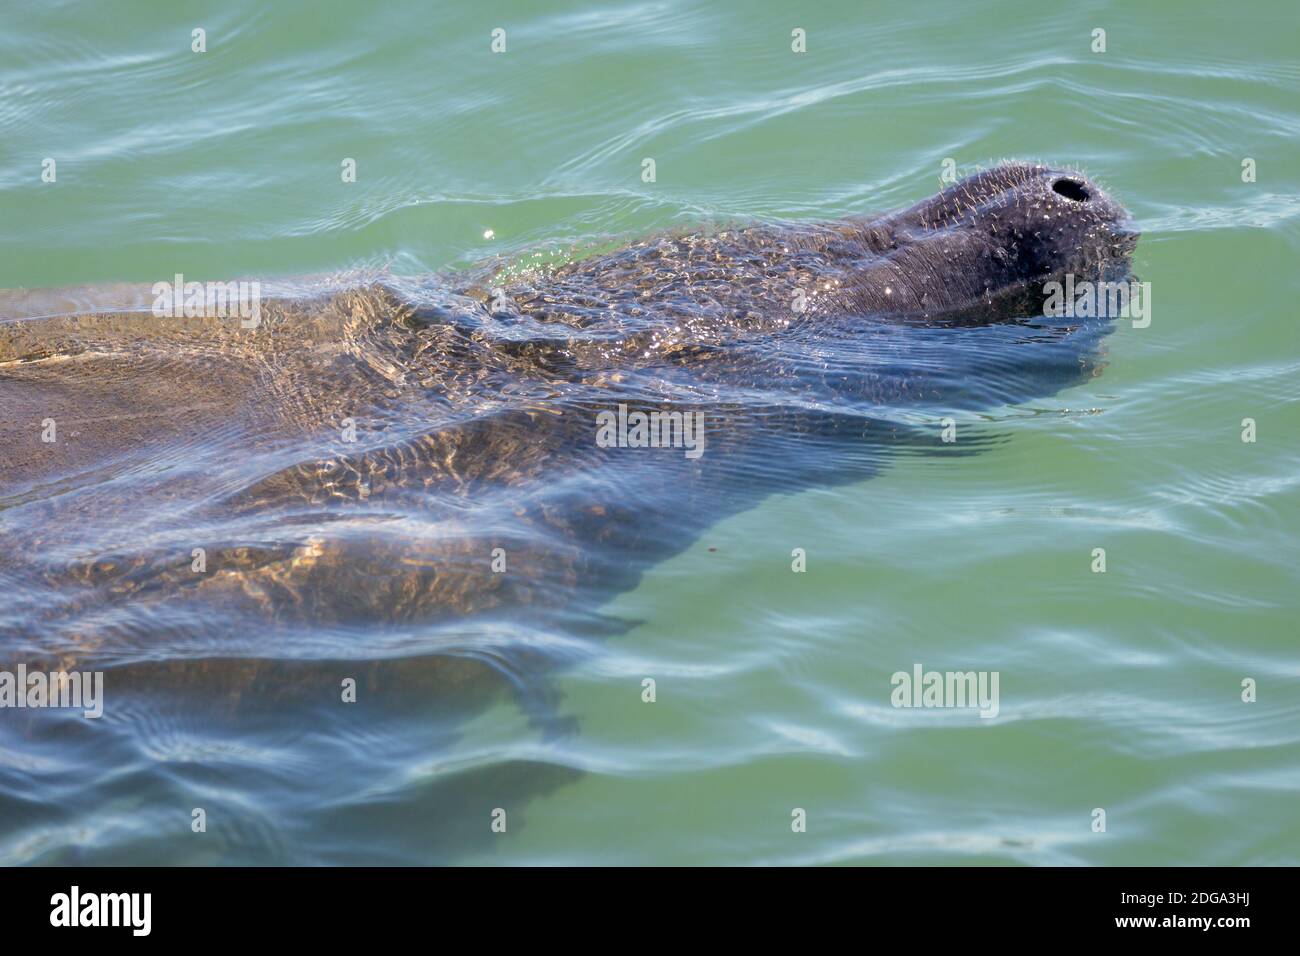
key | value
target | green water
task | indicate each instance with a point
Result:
(1120, 690)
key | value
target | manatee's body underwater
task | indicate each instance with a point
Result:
(202, 498)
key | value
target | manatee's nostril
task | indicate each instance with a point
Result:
(1070, 189)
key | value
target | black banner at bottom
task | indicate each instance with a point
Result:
(331, 906)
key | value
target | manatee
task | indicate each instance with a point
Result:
(475, 522)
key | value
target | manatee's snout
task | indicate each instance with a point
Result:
(1044, 223)
(1031, 219)
(1079, 226)
(972, 251)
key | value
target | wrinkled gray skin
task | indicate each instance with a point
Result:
(476, 412)
(976, 253)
